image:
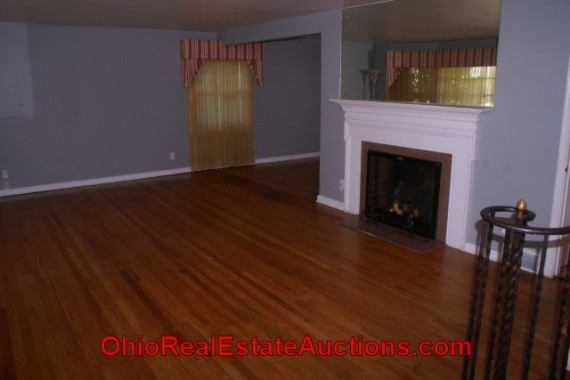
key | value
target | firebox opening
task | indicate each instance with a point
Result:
(403, 192)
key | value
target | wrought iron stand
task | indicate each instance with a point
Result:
(502, 316)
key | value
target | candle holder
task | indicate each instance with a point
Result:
(373, 76)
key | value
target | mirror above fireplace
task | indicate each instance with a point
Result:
(409, 25)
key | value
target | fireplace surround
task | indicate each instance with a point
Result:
(426, 217)
(431, 128)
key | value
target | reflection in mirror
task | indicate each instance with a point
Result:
(437, 51)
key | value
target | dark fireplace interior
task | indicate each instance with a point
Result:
(403, 192)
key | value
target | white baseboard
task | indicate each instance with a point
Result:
(287, 158)
(331, 203)
(471, 248)
(130, 177)
(474, 250)
(91, 182)
(494, 255)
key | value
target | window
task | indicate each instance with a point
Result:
(460, 86)
(220, 115)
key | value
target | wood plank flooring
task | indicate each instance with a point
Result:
(242, 252)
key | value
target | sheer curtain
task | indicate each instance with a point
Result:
(454, 76)
(462, 86)
(468, 86)
(220, 115)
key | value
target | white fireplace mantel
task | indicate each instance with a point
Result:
(444, 129)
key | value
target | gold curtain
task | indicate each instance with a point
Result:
(462, 86)
(412, 85)
(220, 115)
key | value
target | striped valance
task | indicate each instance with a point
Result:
(194, 52)
(396, 60)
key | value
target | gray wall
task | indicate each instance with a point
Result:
(107, 102)
(287, 113)
(518, 141)
(16, 96)
(81, 103)
(328, 26)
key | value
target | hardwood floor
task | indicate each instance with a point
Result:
(243, 252)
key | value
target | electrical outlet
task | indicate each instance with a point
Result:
(341, 185)
(5, 173)
(172, 156)
(6, 185)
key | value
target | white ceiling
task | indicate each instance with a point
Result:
(396, 20)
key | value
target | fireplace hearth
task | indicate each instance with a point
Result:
(403, 192)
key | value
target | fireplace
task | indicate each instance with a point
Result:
(403, 192)
(419, 128)
(405, 188)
